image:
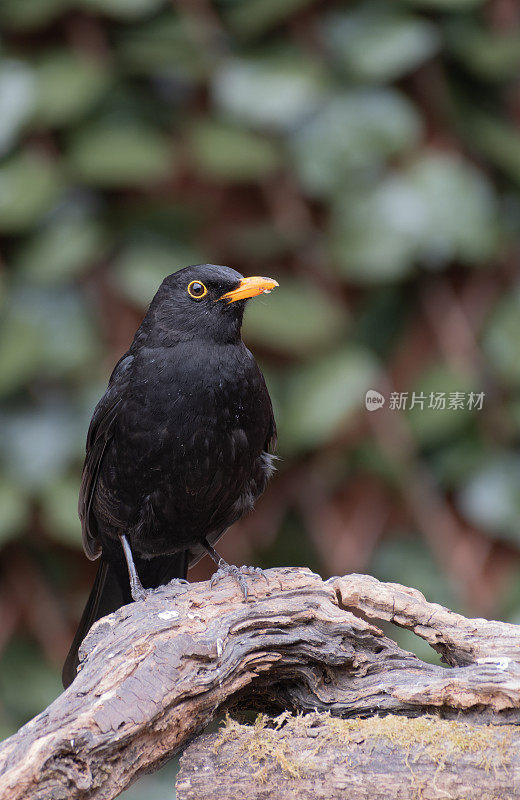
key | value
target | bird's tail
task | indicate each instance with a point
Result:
(107, 595)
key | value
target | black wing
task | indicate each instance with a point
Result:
(272, 435)
(100, 433)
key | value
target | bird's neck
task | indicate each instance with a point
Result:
(162, 331)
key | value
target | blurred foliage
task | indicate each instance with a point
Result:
(366, 155)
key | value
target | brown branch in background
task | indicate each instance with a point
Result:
(425, 503)
(37, 605)
(451, 326)
(156, 672)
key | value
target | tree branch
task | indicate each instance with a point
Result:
(319, 757)
(156, 672)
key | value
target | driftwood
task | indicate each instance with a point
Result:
(156, 672)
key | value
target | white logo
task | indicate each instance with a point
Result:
(374, 400)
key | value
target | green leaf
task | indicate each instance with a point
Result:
(165, 45)
(263, 241)
(382, 318)
(501, 340)
(491, 498)
(20, 351)
(268, 93)
(27, 682)
(120, 155)
(59, 502)
(30, 14)
(513, 413)
(14, 510)
(452, 6)
(142, 266)
(60, 251)
(17, 97)
(154, 787)
(353, 132)
(43, 334)
(37, 444)
(488, 53)
(29, 185)
(162, 218)
(296, 318)
(461, 212)
(438, 209)
(292, 545)
(458, 459)
(379, 42)
(509, 598)
(498, 140)
(68, 85)
(431, 425)
(323, 395)
(226, 153)
(124, 9)
(406, 560)
(374, 232)
(254, 17)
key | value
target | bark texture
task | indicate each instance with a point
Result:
(156, 672)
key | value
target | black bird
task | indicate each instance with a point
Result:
(178, 446)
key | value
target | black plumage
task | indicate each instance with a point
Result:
(178, 446)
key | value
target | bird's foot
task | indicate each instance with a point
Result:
(138, 591)
(238, 573)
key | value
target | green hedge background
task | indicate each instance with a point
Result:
(364, 154)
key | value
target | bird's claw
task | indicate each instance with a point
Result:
(256, 571)
(139, 592)
(238, 573)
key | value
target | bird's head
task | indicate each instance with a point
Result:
(205, 301)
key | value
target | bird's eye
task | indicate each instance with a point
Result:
(197, 290)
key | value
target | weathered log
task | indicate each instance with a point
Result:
(319, 757)
(156, 672)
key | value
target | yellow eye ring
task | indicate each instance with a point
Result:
(197, 290)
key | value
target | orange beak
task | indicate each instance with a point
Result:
(250, 287)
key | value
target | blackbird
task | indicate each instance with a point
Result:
(178, 446)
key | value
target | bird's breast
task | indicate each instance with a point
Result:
(187, 445)
(199, 406)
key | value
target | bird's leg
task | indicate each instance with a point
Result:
(136, 587)
(238, 573)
